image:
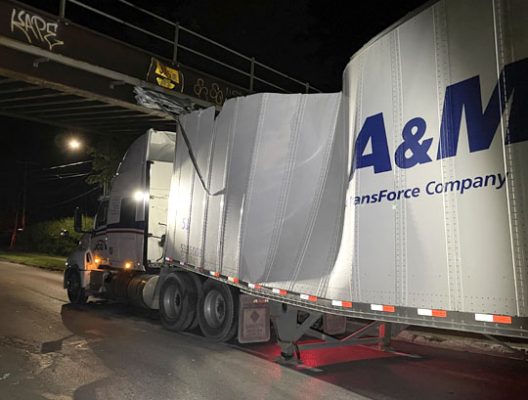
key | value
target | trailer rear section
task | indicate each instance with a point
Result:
(402, 200)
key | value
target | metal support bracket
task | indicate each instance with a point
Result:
(39, 61)
(523, 355)
(289, 331)
(115, 84)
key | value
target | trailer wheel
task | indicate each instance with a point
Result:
(218, 311)
(199, 294)
(177, 302)
(76, 293)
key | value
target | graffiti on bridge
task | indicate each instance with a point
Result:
(35, 28)
(192, 83)
(213, 92)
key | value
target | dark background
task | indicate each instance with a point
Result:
(309, 40)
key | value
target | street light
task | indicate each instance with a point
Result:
(74, 144)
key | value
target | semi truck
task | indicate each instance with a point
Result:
(401, 200)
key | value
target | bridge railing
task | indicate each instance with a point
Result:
(171, 40)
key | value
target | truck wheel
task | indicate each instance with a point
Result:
(199, 294)
(76, 293)
(177, 302)
(218, 311)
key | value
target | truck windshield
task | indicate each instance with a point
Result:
(100, 218)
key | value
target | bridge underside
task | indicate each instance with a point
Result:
(74, 111)
(71, 109)
(83, 81)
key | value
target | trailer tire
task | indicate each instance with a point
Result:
(177, 302)
(218, 311)
(76, 293)
(199, 294)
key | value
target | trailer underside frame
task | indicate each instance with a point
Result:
(289, 331)
(453, 320)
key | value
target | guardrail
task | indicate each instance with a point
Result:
(177, 43)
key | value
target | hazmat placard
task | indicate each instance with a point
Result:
(254, 320)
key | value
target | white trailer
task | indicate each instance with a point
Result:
(402, 200)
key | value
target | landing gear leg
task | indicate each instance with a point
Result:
(289, 331)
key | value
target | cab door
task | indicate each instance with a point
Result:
(99, 238)
(125, 237)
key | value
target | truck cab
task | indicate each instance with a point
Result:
(128, 232)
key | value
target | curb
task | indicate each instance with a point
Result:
(46, 268)
(462, 341)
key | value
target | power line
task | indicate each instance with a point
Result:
(61, 177)
(68, 165)
(74, 198)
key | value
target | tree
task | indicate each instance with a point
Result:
(107, 152)
(50, 236)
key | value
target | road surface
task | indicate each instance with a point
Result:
(50, 350)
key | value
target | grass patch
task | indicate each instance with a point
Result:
(34, 259)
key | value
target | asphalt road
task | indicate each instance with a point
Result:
(50, 350)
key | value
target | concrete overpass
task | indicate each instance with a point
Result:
(55, 71)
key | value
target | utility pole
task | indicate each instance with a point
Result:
(12, 243)
(24, 197)
(22, 226)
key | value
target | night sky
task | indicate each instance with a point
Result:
(309, 40)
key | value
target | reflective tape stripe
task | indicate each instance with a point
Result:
(214, 273)
(502, 319)
(440, 313)
(432, 313)
(499, 319)
(381, 307)
(234, 280)
(280, 291)
(484, 317)
(254, 286)
(308, 297)
(339, 303)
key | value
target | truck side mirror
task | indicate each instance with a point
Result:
(77, 220)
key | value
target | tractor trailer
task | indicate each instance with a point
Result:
(402, 200)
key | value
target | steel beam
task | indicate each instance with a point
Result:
(61, 109)
(49, 103)
(22, 90)
(94, 118)
(68, 90)
(48, 122)
(33, 97)
(90, 113)
(93, 69)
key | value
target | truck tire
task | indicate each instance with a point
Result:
(177, 302)
(76, 293)
(218, 311)
(199, 294)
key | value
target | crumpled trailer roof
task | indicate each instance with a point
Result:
(402, 199)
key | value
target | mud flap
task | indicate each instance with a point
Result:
(254, 319)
